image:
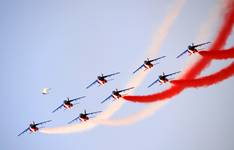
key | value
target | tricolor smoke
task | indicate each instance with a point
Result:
(195, 70)
(225, 54)
(204, 32)
(136, 81)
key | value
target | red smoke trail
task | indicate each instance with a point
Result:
(207, 80)
(225, 54)
(225, 30)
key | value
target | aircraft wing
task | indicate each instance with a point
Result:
(139, 68)
(111, 74)
(182, 53)
(94, 112)
(43, 122)
(106, 99)
(126, 89)
(23, 132)
(74, 120)
(72, 100)
(91, 84)
(57, 108)
(172, 74)
(153, 83)
(201, 44)
(157, 58)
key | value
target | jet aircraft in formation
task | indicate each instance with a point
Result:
(116, 94)
(33, 127)
(101, 80)
(163, 78)
(84, 116)
(148, 64)
(67, 104)
(192, 49)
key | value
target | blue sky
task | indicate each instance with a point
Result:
(66, 44)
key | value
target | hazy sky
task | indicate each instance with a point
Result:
(64, 45)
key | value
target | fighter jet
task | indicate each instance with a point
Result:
(148, 64)
(101, 80)
(163, 78)
(192, 49)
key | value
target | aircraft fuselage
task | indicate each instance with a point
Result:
(33, 128)
(116, 95)
(163, 79)
(192, 49)
(101, 80)
(67, 104)
(83, 117)
(148, 64)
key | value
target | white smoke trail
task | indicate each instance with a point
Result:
(163, 30)
(205, 30)
(207, 27)
(136, 117)
(159, 37)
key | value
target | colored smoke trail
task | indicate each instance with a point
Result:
(136, 81)
(225, 54)
(194, 71)
(150, 110)
(215, 78)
